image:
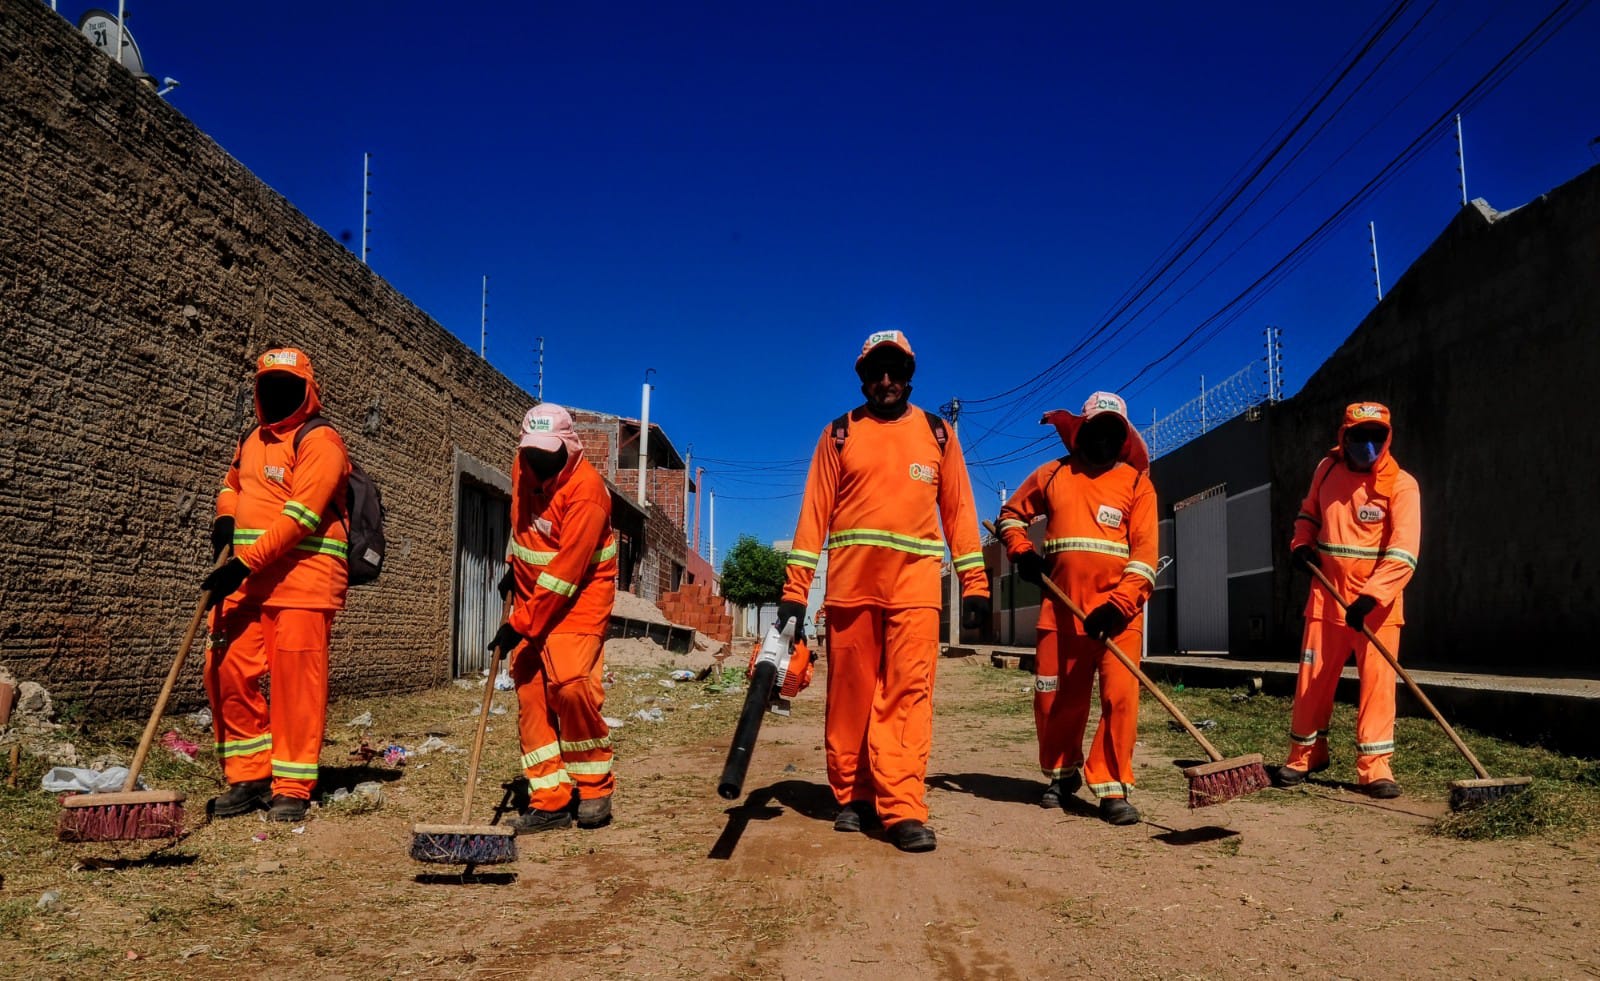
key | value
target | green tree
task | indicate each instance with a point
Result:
(752, 573)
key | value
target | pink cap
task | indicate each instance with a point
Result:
(1105, 402)
(547, 426)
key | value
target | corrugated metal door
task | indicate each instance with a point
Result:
(481, 532)
(1201, 530)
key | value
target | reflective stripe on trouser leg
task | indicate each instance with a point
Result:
(1326, 646)
(1060, 744)
(297, 656)
(235, 663)
(1375, 712)
(1108, 770)
(575, 691)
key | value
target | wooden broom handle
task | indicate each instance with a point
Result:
(150, 727)
(483, 715)
(1127, 662)
(1405, 676)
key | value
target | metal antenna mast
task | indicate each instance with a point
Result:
(1377, 279)
(366, 203)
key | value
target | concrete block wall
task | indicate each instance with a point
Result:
(141, 270)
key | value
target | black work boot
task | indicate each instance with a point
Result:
(534, 820)
(1061, 790)
(858, 815)
(241, 798)
(286, 808)
(1381, 789)
(1117, 810)
(594, 812)
(913, 836)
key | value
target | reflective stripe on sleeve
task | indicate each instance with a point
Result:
(971, 560)
(528, 555)
(1399, 555)
(1302, 516)
(1006, 524)
(806, 560)
(555, 585)
(1140, 569)
(303, 514)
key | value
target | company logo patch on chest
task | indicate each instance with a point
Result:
(543, 526)
(925, 472)
(1109, 516)
(274, 474)
(1369, 513)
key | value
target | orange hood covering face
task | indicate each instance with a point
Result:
(1134, 451)
(289, 361)
(1385, 469)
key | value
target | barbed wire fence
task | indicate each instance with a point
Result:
(1260, 381)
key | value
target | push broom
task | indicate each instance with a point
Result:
(130, 814)
(1463, 793)
(1216, 782)
(464, 843)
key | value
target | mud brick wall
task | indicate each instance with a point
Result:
(695, 606)
(141, 270)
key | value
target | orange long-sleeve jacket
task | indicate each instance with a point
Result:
(878, 506)
(562, 550)
(287, 505)
(1366, 527)
(1100, 535)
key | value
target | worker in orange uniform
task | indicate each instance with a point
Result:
(885, 479)
(281, 509)
(563, 572)
(1361, 524)
(1100, 547)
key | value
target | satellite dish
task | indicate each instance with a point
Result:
(100, 27)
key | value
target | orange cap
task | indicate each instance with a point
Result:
(1359, 413)
(291, 360)
(880, 338)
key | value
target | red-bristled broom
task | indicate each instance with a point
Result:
(130, 814)
(1216, 782)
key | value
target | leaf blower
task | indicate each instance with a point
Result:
(779, 670)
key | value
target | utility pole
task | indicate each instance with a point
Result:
(699, 486)
(1377, 279)
(1461, 161)
(366, 203)
(688, 458)
(952, 411)
(539, 395)
(644, 436)
(121, 5)
(483, 322)
(1004, 596)
(711, 532)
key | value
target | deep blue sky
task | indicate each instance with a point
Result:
(736, 194)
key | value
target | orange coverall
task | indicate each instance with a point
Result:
(1100, 537)
(290, 531)
(878, 506)
(1367, 529)
(565, 562)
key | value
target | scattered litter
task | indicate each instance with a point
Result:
(609, 680)
(667, 683)
(183, 749)
(395, 755)
(259, 836)
(1178, 686)
(466, 683)
(497, 710)
(361, 721)
(652, 714)
(298, 831)
(76, 780)
(61, 754)
(340, 794)
(790, 768)
(701, 705)
(131, 955)
(48, 900)
(503, 682)
(682, 674)
(1201, 724)
(200, 719)
(429, 745)
(643, 699)
(372, 790)
(612, 723)
(641, 677)
(194, 951)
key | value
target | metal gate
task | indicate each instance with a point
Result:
(483, 518)
(1201, 530)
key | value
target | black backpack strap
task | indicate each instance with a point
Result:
(315, 422)
(841, 429)
(941, 435)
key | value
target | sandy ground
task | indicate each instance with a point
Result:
(1317, 882)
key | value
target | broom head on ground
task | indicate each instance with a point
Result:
(123, 816)
(1466, 794)
(1223, 780)
(463, 844)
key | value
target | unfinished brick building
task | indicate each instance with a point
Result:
(141, 269)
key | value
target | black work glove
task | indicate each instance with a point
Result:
(506, 638)
(1306, 556)
(508, 582)
(224, 580)
(1105, 621)
(1031, 566)
(975, 611)
(221, 534)
(1355, 615)
(790, 608)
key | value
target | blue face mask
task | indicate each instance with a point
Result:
(1362, 454)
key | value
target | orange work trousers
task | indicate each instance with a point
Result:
(282, 740)
(1064, 671)
(566, 743)
(1327, 649)
(879, 715)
